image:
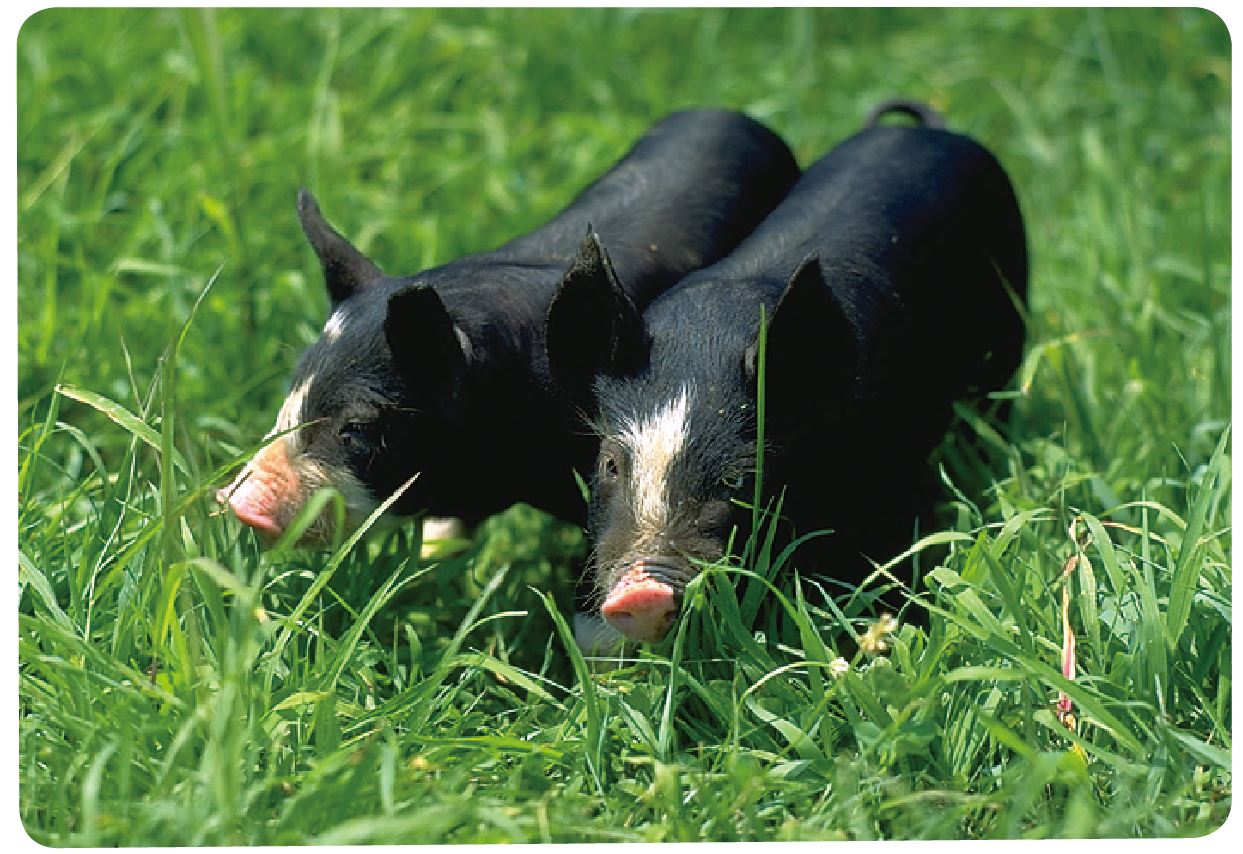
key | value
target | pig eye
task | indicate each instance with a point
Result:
(357, 437)
(732, 481)
(608, 466)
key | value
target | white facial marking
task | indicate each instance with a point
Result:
(653, 443)
(291, 414)
(336, 323)
(359, 502)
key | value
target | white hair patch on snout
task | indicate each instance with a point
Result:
(654, 442)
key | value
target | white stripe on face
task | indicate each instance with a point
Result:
(291, 414)
(653, 443)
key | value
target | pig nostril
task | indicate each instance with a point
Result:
(641, 606)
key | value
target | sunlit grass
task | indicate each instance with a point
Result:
(180, 687)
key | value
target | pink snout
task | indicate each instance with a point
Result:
(265, 493)
(252, 507)
(640, 606)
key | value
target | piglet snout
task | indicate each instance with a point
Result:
(640, 606)
(263, 492)
(250, 507)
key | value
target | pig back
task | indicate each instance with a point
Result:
(935, 217)
(928, 251)
(685, 195)
(921, 241)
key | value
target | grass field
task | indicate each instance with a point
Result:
(179, 687)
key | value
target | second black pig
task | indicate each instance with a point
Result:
(889, 276)
(443, 373)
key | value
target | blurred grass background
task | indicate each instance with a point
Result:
(178, 687)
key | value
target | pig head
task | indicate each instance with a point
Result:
(673, 398)
(382, 376)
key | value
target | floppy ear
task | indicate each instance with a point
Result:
(429, 351)
(345, 268)
(592, 327)
(811, 350)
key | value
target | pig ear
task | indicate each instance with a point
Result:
(808, 337)
(345, 268)
(429, 350)
(592, 327)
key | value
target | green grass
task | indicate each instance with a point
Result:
(179, 687)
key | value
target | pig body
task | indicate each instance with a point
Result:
(889, 277)
(443, 373)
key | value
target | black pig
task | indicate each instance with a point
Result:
(443, 373)
(890, 277)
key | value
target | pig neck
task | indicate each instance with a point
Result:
(516, 434)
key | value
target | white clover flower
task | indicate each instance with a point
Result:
(873, 641)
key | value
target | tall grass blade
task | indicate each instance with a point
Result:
(125, 419)
(594, 755)
(1191, 551)
(291, 622)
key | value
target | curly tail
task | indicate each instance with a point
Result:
(917, 110)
